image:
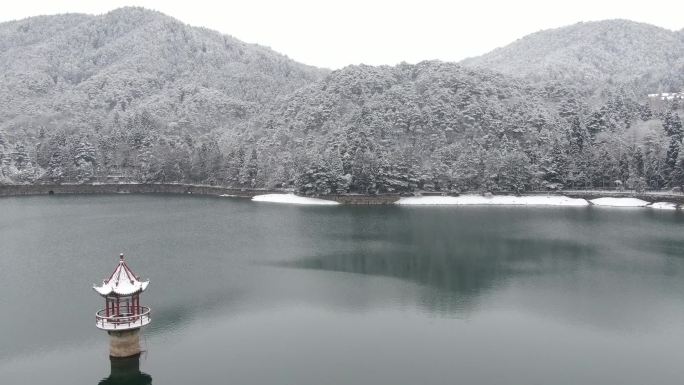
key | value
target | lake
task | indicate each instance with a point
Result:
(259, 293)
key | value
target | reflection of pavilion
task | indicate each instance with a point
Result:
(126, 371)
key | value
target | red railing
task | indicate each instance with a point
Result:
(122, 321)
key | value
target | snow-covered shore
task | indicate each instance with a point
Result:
(465, 200)
(530, 200)
(292, 199)
(619, 202)
(663, 206)
(633, 202)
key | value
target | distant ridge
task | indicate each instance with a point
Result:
(595, 54)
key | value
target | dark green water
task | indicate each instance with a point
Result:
(257, 293)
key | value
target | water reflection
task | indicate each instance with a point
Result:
(126, 371)
(463, 270)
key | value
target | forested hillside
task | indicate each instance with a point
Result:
(136, 96)
(596, 56)
(73, 86)
(443, 127)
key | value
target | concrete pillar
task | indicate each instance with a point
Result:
(124, 343)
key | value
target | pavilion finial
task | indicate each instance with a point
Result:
(121, 256)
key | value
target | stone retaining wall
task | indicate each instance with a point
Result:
(351, 199)
(40, 189)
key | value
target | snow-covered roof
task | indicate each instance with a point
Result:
(123, 281)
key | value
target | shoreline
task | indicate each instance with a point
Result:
(178, 189)
(346, 199)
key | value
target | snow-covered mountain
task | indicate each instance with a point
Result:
(595, 55)
(138, 95)
(85, 70)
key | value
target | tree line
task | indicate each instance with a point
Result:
(427, 127)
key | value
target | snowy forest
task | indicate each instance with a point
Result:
(136, 96)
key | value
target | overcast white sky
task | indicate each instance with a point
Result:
(337, 33)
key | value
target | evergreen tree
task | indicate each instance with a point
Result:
(672, 125)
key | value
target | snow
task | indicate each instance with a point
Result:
(532, 200)
(292, 199)
(663, 206)
(123, 281)
(122, 287)
(463, 200)
(619, 202)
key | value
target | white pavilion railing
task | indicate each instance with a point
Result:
(122, 321)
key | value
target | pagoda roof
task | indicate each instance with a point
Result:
(123, 281)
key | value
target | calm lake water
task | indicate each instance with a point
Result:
(258, 293)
